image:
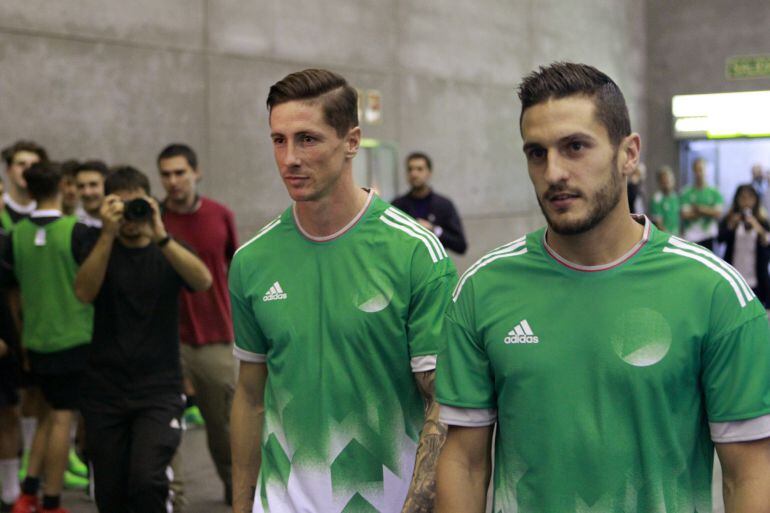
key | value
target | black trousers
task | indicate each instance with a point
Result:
(130, 444)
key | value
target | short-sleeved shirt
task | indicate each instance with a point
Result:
(665, 209)
(205, 316)
(703, 227)
(608, 383)
(135, 348)
(342, 324)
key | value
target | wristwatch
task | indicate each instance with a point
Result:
(165, 240)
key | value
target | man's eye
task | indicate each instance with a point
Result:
(307, 139)
(536, 154)
(576, 146)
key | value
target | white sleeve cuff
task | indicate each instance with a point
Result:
(248, 356)
(740, 430)
(424, 363)
(468, 417)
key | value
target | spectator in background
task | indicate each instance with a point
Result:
(89, 178)
(43, 254)
(132, 399)
(745, 232)
(69, 199)
(664, 207)
(18, 157)
(205, 318)
(759, 180)
(435, 212)
(701, 208)
(637, 198)
(10, 357)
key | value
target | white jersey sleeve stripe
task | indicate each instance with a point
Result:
(714, 267)
(467, 417)
(248, 356)
(424, 363)
(703, 251)
(470, 272)
(412, 233)
(261, 232)
(502, 249)
(408, 221)
(740, 431)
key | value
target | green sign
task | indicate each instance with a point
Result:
(751, 66)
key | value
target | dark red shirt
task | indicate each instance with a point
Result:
(205, 317)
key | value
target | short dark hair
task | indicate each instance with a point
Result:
(126, 178)
(69, 167)
(420, 155)
(562, 79)
(93, 165)
(179, 150)
(23, 145)
(338, 98)
(43, 180)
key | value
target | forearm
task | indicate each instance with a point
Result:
(192, 270)
(245, 435)
(422, 491)
(464, 469)
(90, 276)
(751, 495)
(712, 212)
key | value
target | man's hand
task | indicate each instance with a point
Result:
(427, 224)
(111, 213)
(154, 229)
(3, 348)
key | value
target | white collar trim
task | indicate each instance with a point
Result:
(53, 212)
(602, 267)
(341, 231)
(21, 209)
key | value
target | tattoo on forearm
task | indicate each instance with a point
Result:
(422, 492)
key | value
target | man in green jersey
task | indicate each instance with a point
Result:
(611, 355)
(701, 208)
(337, 308)
(664, 207)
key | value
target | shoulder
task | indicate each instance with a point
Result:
(402, 230)
(215, 206)
(400, 201)
(263, 238)
(442, 200)
(514, 254)
(704, 271)
(657, 197)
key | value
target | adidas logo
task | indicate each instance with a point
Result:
(521, 334)
(275, 293)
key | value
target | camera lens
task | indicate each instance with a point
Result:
(137, 210)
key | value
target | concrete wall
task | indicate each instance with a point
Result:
(119, 80)
(687, 48)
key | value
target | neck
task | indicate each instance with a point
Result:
(603, 244)
(329, 215)
(184, 206)
(50, 204)
(420, 192)
(139, 242)
(19, 195)
(700, 184)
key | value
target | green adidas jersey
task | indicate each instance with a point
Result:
(54, 319)
(665, 209)
(342, 324)
(703, 227)
(605, 380)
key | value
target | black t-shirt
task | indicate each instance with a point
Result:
(135, 348)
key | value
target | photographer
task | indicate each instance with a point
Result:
(132, 399)
(744, 230)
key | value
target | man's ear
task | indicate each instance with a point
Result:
(352, 142)
(628, 154)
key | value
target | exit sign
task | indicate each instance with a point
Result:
(750, 66)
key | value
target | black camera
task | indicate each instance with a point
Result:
(137, 209)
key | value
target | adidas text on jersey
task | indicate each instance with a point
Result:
(275, 293)
(521, 334)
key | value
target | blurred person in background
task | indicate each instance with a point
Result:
(70, 201)
(205, 327)
(664, 207)
(637, 197)
(701, 208)
(132, 394)
(18, 157)
(745, 230)
(435, 212)
(89, 179)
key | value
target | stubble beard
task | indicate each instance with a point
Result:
(601, 203)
